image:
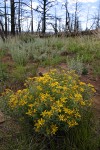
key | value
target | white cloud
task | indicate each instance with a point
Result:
(35, 4)
(82, 1)
(87, 1)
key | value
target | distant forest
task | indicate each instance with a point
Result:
(13, 13)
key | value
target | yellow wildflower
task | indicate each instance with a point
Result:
(39, 124)
(63, 99)
(77, 115)
(72, 123)
(31, 105)
(81, 89)
(93, 89)
(30, 112)
(53, 84)
(78, 96)
(68, 111)
(47, 114)
(59, 103)
(54, 129)
(22, 102)
(82, 83)
(82, 103)
(39, 88)
(44, 113)
(19, 92)
(62, 118)
(7, 91)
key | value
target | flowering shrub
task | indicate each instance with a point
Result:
(54, 102)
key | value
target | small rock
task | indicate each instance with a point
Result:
(2, 119)
(40, 74)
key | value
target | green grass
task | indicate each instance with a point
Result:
(26, 50)
(82, 137)
(75, 64)
(3, 71)
(53, 61)
(29, 53)
(48, 51)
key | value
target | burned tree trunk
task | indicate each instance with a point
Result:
(2, 31)
(12, 17)
(5, 6)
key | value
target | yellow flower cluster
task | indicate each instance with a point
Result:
(53, 102)
(19, 98)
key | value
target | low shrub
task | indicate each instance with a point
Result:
(3, 71)
(53, 103)
(75, 64)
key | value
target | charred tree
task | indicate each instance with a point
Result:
(43, 8)
(12, 3)
(2, 31)
(19, 14)
(67, 23)
(31, 17)
(5, 7)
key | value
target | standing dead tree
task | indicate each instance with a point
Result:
(76, 16)
(12, 3)
(2, 31)
(67, 22)
(43, 8)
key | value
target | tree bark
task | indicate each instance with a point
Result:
(44, 18)
(19, 25)
(2, 31)
(5, 18)
(12, 17)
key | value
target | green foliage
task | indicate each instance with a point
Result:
(2, 53)
(26, 38)
(3, 47)
(19, 73)
(51, 98)
(87, 57)
(96, 68)
(59, 45)
(52, 61)
(53, 103)
(25, 47)
(31, 70)
(25, 50)
(71, 140)
(3, 71)
(83, 136)
(20, 54)
(75, 64)
(84, 71)
(73, 46)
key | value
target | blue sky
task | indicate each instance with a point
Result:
(89, 7)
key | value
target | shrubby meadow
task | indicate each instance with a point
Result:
(54, 110)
